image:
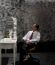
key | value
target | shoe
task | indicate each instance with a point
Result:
(27, 57)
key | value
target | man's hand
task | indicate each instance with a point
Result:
(32, 49)
(28, 41)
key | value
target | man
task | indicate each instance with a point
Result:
(29, 41)
(32, 37)
(34, 33)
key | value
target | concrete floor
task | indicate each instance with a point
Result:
(45, 58)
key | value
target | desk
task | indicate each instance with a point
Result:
(8, 43)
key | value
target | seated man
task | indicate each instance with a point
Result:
(32, 37)
(30, 40)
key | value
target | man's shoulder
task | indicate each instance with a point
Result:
(30, 31)
(38, 32)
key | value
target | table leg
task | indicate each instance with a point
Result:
(0, 57)
(14, 54)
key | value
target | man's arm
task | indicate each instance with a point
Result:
(25, 37)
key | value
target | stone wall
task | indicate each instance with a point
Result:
(28, 12)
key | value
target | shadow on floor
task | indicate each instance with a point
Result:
(30, 61)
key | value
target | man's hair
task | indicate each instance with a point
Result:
(37, 26)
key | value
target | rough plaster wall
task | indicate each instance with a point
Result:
(28, 12)
(41, 12)
(6, 7)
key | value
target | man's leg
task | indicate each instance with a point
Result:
(28, 51)
(22, 50)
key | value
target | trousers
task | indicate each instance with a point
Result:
(23, 49)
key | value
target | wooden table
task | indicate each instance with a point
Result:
(8, 43)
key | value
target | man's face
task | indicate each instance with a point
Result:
(34, 27)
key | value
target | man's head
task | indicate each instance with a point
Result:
(35, 27)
